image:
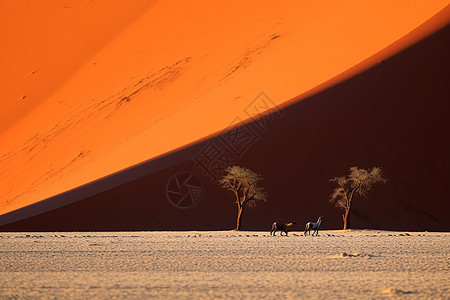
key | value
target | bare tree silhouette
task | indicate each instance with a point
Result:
(359, 181)
(244, 184)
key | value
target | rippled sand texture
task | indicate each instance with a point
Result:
(225, 264)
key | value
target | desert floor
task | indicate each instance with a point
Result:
(225, 264)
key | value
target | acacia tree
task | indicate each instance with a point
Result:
(358, 182)
(244, 184)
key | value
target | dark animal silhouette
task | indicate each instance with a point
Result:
(313, 226)
(282, 227)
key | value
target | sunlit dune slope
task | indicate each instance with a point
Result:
(44, 42)
(162, 75)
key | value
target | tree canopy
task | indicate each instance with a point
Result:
(358, 182)
(244, 184)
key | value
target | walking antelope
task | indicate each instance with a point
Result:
(313, 226)
(282, 227)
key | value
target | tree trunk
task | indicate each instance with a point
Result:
(348, 210)
(346, 219)
(346, 215)
(239, 217)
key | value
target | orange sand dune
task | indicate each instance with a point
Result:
(44, 42)
(392, 115)
(166, 75)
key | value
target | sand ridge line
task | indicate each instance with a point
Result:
(250, 55)
(157, 80)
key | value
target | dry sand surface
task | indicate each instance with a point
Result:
(225, 264)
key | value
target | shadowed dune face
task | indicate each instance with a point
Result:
(165, 75)
(392, 115)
